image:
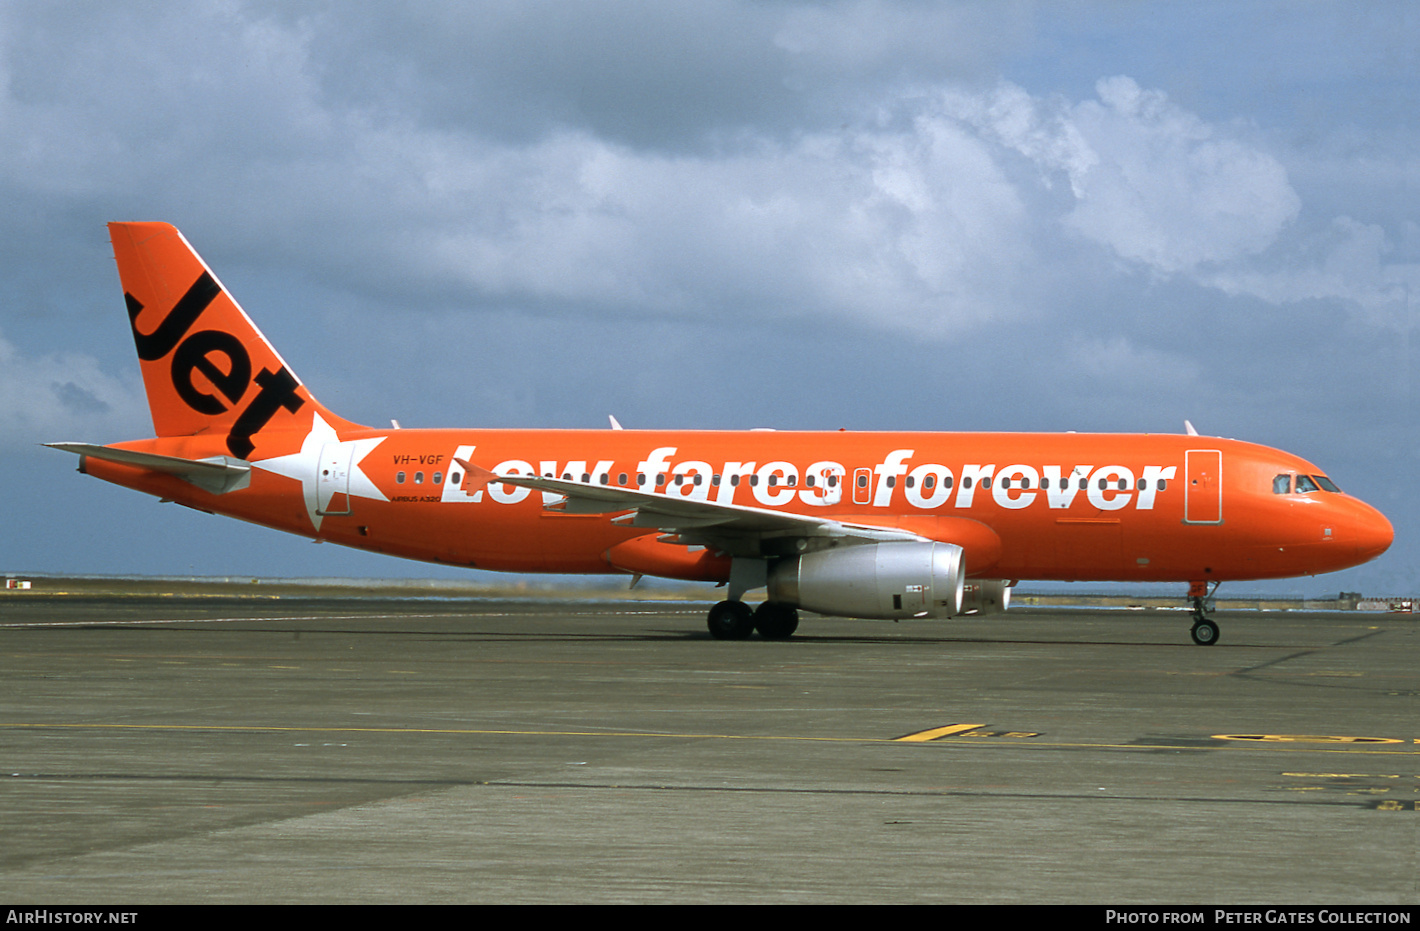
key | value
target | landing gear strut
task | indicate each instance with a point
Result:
(1205, 629)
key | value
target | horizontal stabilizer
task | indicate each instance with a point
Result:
(217, 474)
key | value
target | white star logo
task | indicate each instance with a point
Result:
(326, 466)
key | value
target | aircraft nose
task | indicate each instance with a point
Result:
(1362, 530)
(1371, 532)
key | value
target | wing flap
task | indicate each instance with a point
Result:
(733, 528)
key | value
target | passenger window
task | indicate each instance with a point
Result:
(399, 478)
(419, 478)
(1305, 484)
(438, 477)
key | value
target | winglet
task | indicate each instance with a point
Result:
(1188, 428)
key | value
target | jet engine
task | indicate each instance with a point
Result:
(875, 580)
(986, 596)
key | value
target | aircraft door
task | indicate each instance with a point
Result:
(1203, 488)
(862, 486)
(333, 479)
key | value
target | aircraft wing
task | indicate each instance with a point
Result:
(737, 529)
(217, 474)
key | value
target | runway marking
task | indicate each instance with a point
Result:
(939, 732)
(1368, 786)
(1308, 738)
(961, 739)
(1345, 775)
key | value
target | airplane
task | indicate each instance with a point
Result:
(843, 523)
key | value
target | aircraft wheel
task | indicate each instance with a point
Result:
(730, 620)
(775, 620)
(1205, 633)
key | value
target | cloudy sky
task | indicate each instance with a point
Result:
(875, 215)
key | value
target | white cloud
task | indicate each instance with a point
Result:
(911, 214)
(1348, 261)
(1151, 181)
(914, 229)
(1171, 190)
(63, 397)
(930, 209)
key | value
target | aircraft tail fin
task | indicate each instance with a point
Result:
(206, 367)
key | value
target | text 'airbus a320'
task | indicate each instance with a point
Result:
(871, 525)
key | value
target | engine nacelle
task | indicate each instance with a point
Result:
(986, 596)
(878, 580)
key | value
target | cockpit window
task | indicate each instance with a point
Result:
(1305, 484)
(1326, 483)
(1282, 484)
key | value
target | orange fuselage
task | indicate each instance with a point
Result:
(1152, 507)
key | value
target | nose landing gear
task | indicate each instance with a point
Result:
(1205, 629)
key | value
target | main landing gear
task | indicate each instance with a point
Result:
(1205, 629)
(734, 620)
